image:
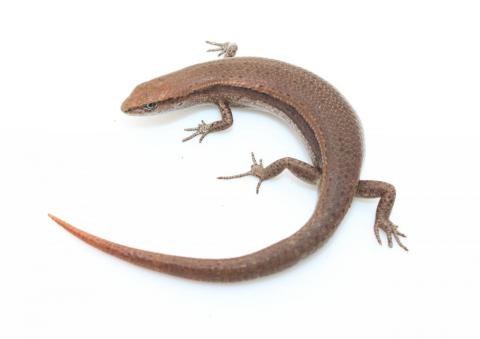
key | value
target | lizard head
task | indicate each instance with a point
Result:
(154, 96)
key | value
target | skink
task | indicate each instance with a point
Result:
(316, 109)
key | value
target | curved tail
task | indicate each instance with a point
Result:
(266, 261)
(271, 259)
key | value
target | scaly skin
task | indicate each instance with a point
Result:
(325, 120)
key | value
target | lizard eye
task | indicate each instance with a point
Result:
(150, 107)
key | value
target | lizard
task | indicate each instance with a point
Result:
(324, 119)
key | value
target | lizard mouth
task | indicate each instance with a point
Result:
(133, 111)
(140, 111)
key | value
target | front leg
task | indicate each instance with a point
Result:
(386, 193)
(204, 129)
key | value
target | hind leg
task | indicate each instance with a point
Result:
(299, 168)
(386, 193)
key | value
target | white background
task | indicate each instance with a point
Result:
(411, 71)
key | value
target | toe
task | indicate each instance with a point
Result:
(376, 230)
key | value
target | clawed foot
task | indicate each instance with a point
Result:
(203, 130)
(227, 48)
(391, 230)
(256, 170)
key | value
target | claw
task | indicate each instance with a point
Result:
(235, 176)
(227, 48)
(203, 129)
(258, 185)
(391, 230)
(215, 43)
(376, 230)
(203, 136)
(256, 170)
(389, 239)
(253, 159)
(397, 239)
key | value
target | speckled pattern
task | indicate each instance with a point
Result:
(320, 113)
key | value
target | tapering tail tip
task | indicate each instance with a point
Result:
(64, 224)
(57, 220)
(87, 237)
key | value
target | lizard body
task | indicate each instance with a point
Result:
(316, 109)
